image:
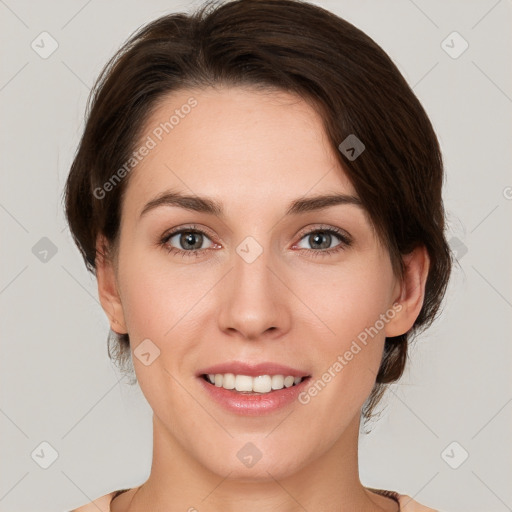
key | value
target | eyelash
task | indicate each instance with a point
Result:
(345, 241)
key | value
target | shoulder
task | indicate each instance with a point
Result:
(98, 505)
(407, 504)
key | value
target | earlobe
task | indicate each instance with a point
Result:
(107, 288)
(411, 292)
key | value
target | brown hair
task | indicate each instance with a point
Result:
(296, 47)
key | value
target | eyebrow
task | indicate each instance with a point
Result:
(212, 207)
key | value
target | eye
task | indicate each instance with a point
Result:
(325, 240)
(186, 241)
(189, 241)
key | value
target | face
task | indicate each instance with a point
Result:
(238, 284)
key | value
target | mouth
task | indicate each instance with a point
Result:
(253, 385)
(246, 389)
(252, 389)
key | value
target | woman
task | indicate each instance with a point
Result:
(258, 192)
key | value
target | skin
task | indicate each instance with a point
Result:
(254, 153)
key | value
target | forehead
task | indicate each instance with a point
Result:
(246, 147)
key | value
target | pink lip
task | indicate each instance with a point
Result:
(253, 370)
(252, 404)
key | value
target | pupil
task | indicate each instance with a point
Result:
(318, 237)
(189, 239)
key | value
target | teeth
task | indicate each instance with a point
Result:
(288, 381)
(262, 384)
(228, 382)
(248, 384)
(277, 382)
(242, 383)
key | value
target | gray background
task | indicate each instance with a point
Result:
(58, 385)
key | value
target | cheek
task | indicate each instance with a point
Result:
(349, 307)
(348, 299)
(157, 298)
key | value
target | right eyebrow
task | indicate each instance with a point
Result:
(195, 203)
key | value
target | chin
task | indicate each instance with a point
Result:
(255, 461)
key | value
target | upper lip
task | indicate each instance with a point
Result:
(253, 369)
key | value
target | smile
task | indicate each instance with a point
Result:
(261, 384)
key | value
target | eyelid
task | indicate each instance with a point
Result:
(188, 227)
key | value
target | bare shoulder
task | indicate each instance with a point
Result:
(407, 504)
(98, 505)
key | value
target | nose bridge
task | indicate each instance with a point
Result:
(253, 301)
(251, 264)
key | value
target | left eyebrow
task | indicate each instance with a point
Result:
(212, 207)
(321, 202)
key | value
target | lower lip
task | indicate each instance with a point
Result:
(253, 404)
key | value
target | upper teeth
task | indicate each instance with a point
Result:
(259, 384)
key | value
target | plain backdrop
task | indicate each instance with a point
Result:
(444, 433)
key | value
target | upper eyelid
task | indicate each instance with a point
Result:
(186, 229)
(325, 227)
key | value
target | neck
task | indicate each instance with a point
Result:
(330, 482)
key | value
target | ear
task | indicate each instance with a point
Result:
(411, 292)
(107, 287)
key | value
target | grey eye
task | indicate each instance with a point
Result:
(320, 239)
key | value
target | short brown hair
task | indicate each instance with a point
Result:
(296, 47)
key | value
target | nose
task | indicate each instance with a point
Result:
(254, 301)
